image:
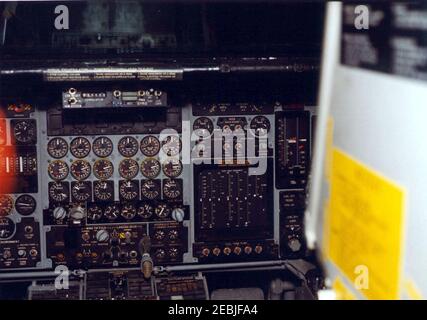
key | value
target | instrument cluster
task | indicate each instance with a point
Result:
(131, 168)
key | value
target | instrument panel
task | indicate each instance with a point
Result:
(104, 178)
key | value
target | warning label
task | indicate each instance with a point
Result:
(364, 228)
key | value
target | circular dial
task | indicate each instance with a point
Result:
(159, 235)
(6, 205)
(173, 234)
(203, 127)
(58, 191)
(173, 253)
(150, 168)
(25, 204)
(128, 211)
(129, 190)
(128, 168)
(102, 147)
(103, 191)
(150, 189)
(80, 147)
(24, 131)
(7, 228)
(80, 169)
(145, 211)
(171, 145)
(172, 167)
(58, 169)
(81, 191)
(94, 213)
(150, 146)
(57, 148)
(103, 169)
(162, 211)
(171, 189)
(260, 125)
(112, 212)
(128, 146)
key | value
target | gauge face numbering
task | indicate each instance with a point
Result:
(25, 204)
(172, 167)
(24, 131)
(203, 127)
(150, 189)
(150, 146)
(129, 190)
(103, 190)
(128, 146)
(150, 168)
(81, 190)
(128, 168)
(172, 189)
(103, 169)
(102, 147)
(171, 145)
(80, 169)
(59, 191)
(80, 147)
(58, 169)
(57, 148)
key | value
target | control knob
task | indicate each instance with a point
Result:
(102, 236)
(178, 214)
(59, 213)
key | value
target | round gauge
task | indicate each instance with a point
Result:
(81, 191)
(58, 191)
(173, 234)
(103, 169)
(112, 212)
(7, 228)
(203, 127)
(150, 189)
(172, 167)
(150, 146)
(173, 253)
(25, 205)
(171, 145)
(24, 131)
(145, 211)
(129, 190)
(80, 147)
(128, 211)
(102, 147)
(160, 254)
(150, 168)
(260, 125)
(128, 168)
(162, 211)
(171, 189)
(57, 148)
(80, 169)
(128, 146)
(6, 205)
(159, 235)
(102, 190)
(94, 213)
(58, 169)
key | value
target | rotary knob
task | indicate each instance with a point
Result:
(294, 244)
(59, 213)
(178, 214)
(77, 213)
(102, 236)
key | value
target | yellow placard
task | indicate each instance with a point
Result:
(342, 291)
(364, 227)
